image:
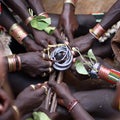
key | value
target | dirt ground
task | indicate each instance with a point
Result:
(83, 6)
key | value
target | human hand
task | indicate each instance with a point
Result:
(68, 21)
(30, 98)
(4, 101)
(33, 64)
(62, 91)
(31, 45)
(83, 43)
(42, 38)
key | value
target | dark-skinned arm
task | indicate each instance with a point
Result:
(37, 6)
(63, 92)
(7, 20)
(18, 6)
(68, 22)
(111, 17)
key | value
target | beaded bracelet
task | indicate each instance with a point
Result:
(97, 31)
(17, 32)
(73, 2)
(109, 75)
(72, 104)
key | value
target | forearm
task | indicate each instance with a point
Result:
(19, 7)
(37, 6)
(79, 113)
(112, 16)
(76, 110)
(6, 19)
(69, 5)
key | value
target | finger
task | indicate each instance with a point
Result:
(52, 84)
(43, 43)
(37, 86)
(52, 40)
(45, 87)
(44, 74)
(60, 26)
(41, 90)
(64, 38)
(69, 35)
(57, 34)
(47, 70)
(39, 48)
(44, 56)
(46, 64)
(61, 102)
(32, 87)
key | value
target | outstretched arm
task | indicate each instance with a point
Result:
(9, 22)
(111, 17)
(70, 102)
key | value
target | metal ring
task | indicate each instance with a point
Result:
(44, 74)
(33, 87)
(50, 69)
(43, 55)
(45, 88)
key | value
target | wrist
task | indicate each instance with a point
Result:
(91, 37)
(97, 31)
(16, 112)
(20, 107)
(17, 32)
(22, 58)
(68, 7)
(72, 2)
(67, 100)
(14, 63)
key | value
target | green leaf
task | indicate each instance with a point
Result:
(36, 116)
(43, 116)
(80, 68)
(91, 55)
(40, 116)
(50, 29)
(47, 20)
(29, 119)
(39, 25)
(42, 23)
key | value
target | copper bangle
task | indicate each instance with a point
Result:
(103, 72)
(16, 112)
(17, 32)
(11, 63)
(92, 33)
(98, 30)
(44, 14)
(27, 21)
(19, 62)
(72, 104)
